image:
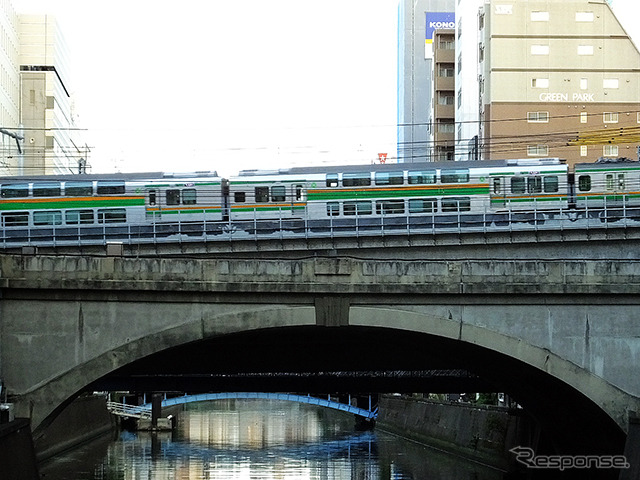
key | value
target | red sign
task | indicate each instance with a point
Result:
(382, 157)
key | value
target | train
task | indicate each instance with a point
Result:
(137, 207)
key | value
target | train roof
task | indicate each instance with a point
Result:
(612, 163)
(384, 167)
(133, 176)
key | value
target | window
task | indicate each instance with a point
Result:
(424, 177)
(333, 209)
(446, 70)
(539, 49)
(239, 197)
(537, 117)
(110, 188)
(584, 84)
(298, 190)
(15, 219)
(610, 83)
(173, 197)
(78, 189)
(356, 179)
(391, 178)
(638, 117)
(584, 16)
(550, 184)
(278, 193)
(454, 176)
(189, 196)
(540, 82)
(332, 179)
(357, 208)
(534, 184)
(444, 99)
(47, 218)
(16, 190)
(518, 184)
(583, 150)
(610, 117)
(152, 197)
(583, 117)
(112, 215)
(76, 217)
(585, 49)
(262, 194)
(584, 183)
(539, 16)
(387, 207)
(46, 189)
(460, 62)
(610, 151)
(423, 205)
(446, 126)
(537, 150)
(456, 204)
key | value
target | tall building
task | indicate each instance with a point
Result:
(51, 141)
(10, 132)
(547, 72)
(442, 120)
(417, 22)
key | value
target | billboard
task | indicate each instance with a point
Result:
(436, 21)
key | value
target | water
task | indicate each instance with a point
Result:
(259, 440)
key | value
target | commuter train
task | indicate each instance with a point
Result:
(93, 208)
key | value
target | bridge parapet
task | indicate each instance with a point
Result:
(319, 275)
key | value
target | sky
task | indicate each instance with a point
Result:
(225, 85)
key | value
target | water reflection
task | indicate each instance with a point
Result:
(257, 439)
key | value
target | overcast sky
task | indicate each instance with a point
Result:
(226, 85)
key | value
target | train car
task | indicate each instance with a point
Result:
(608, 189)
(76, 208)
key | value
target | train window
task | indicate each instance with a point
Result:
(356, 179)
(387, 207)
(152, 197)
(14, 190)
(47, 218)
(456, 204)
(423, 177)
(76, 217)
(620, 182)
(534, 184)
(15, 219)
(357, 208)
(333, 209)
(46, 189)
(112, 215)
(298, 189)
(262, 194)
(332, 179)
(173, 196)
(584, 183)
(550, 184)
(189, 196)
(110, 188)
(454, 176)
(239, 197)
(78, 189)
(496, 186)
(423, 205)
(518, 184)
(278, 193)
(389, 178)
(609, 182)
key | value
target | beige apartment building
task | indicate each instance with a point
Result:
(443, 100)
(550, 72)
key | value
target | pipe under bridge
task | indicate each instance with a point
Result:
(369, 414)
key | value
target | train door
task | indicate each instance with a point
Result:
(297, 196)
(224, 201)
(615, 183)
(498, 189)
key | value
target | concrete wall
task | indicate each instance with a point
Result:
(484, 434)
(17, 457)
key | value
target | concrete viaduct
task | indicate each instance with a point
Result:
(555, 325)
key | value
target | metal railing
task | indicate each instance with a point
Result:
(130, 411)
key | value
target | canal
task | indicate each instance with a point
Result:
(258, 439)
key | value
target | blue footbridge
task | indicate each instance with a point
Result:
(369, 414)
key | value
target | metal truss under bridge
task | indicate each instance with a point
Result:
(370, 414)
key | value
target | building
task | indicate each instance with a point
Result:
(10, 131)
(547, 72)
(442, 120)
(417, 21)
(52, 144)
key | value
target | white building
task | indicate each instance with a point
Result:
(10, 156)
